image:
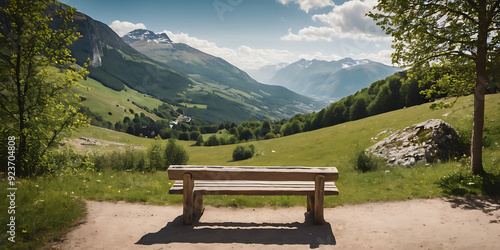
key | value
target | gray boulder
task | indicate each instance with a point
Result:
(427, 141)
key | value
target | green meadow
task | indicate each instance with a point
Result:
(101, 100)
(60, 196)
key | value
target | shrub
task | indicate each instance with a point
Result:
(155, 155)
(243, 152)
(199, 140)
(175, 154)
(365, 162)
(269, 136)
(212, 141)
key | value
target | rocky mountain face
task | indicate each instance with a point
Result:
(146, 35)
(115, 64)
(331, 79)
(427, 141)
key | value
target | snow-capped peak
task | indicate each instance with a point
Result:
(146, 35)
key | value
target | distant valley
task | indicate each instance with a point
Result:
(330, 80)
(189, 80)
(208, 87)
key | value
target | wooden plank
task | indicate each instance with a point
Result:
(188, 188)
(198, 203)
(319, 199)
(176, 172)
(310, 204)
(254, 188)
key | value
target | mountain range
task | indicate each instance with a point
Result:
(331, 79)
(180, 75)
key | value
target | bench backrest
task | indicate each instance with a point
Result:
(176, 172)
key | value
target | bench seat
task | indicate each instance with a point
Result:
(254, 188)
(194, 182)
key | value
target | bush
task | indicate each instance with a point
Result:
(365, 162)
(212, 141)
(155, 155)
(175, 154)
(243, 152)
(269, 136)
(199, 140)
(465, 183)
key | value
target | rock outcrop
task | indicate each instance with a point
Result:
(427, 141)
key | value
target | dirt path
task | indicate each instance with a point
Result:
(414, 224)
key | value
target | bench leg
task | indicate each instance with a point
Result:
(188, 187)
(310, 204)
(198, 203)
(319, 196)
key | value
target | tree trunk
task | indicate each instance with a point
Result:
(479, 93)
(477, 133)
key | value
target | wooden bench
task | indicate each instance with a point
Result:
(195, 181)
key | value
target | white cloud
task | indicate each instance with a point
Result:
(384, 56)
(243, 57)
(344, 21)
(122, 28)
(250, 58)
(311, 34)
(203, 45)
(307, 5)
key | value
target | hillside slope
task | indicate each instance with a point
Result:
(331, 146)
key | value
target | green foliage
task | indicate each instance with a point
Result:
(213, 140)
(175, 154)
(365, 162)
(36, 100)
(269, 136)
(243, 152)
(156, 155)
(199, 140)
(464, 183)
(447, 80)
(456, 34)
(426, 30)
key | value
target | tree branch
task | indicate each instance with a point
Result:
(491, 12)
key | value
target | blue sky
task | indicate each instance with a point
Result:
(253, 33)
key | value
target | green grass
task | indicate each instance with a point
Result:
(42, 213)
(194, 105)
(59, 197)
(337, 146)
(102, 100)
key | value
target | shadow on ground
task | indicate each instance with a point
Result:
(485, 204)
(295, 233)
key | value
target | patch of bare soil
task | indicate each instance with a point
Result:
(444, 223)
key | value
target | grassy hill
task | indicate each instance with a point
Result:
(331, 146)
(101, 100)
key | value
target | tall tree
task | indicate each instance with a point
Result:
(451, 31)
(38, 73)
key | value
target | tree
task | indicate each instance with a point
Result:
(212, 141)
(455, 32)
(175, 154)
(358, 109)
(155, 155)
(199, 140)
(37, 73)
